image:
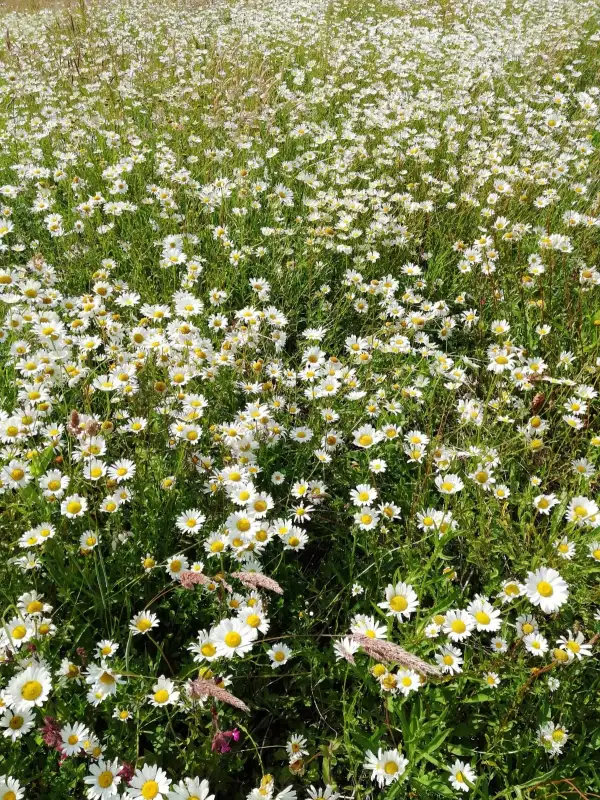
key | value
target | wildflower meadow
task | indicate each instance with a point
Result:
(299, 360)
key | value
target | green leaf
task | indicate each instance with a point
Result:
(40, 463)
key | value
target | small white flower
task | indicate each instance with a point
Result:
(387, 766)
(462, 776)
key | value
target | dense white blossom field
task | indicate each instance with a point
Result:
(299, 347)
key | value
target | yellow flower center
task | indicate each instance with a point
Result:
(390, 768)
(217, 546)
(143, 624)
(73, 739)
(545, 589)
(208, 650)
(107, 679)
(458, 626)
(17, 474)
(243, 525)
(527, 628)
(482, 617)
(366, 519)
(175, 565)
(293, 541)
(560, 655)
(233, 639)
(253, 621)
(574, 647)
(279, 655)
(31, 690)
(19, 632)
(580, 511)
(105, 779)
(74, 507)
(16, 723)
(365, 440)
(447, 486)
(389, 682)
(398, 603)
(161, 696)
(34, 607)
(149, 790)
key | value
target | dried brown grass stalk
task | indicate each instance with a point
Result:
(388, 651)
(254, 580)
(200, 688)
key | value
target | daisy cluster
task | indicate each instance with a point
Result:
(298, 414)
